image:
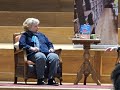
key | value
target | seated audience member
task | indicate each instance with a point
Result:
(115, 75)
(39, 50)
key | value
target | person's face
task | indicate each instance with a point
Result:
(34, 28)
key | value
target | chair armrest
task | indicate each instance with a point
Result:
(61, 61)
(30, 62)
(58, 52)
(18, 51)
(20, 57)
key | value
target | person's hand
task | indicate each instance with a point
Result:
(112, 48)
(51, 50)
(35, 49)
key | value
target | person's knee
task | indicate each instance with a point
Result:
(53, 57)
(40, 57)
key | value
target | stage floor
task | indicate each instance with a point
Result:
(65, 86)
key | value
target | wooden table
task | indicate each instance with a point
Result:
(86, 68)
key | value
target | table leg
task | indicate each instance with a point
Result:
(94, 75)
(86, 69)
(85, 78)
(79, 75)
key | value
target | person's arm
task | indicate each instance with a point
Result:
(115, 48)
(49, 44)
(23, 44)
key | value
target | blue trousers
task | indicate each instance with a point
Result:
(40, 60)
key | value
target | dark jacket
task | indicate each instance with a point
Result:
(118, 50)
(26, 42)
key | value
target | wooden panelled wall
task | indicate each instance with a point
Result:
(103, 63)
(56, 34)
(47, 19)
(37, 5)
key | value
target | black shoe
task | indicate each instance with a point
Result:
(41, 82)
(52, 82)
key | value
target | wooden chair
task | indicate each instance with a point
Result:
(25, 68)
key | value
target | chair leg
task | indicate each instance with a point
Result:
(60, 80)
(25, 81)
(15, 80)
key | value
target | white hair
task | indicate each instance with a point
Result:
(30, 21)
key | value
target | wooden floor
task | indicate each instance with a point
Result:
(106, 29)
(65, 86)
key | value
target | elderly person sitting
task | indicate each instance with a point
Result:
(39, 50)
(115, 75)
